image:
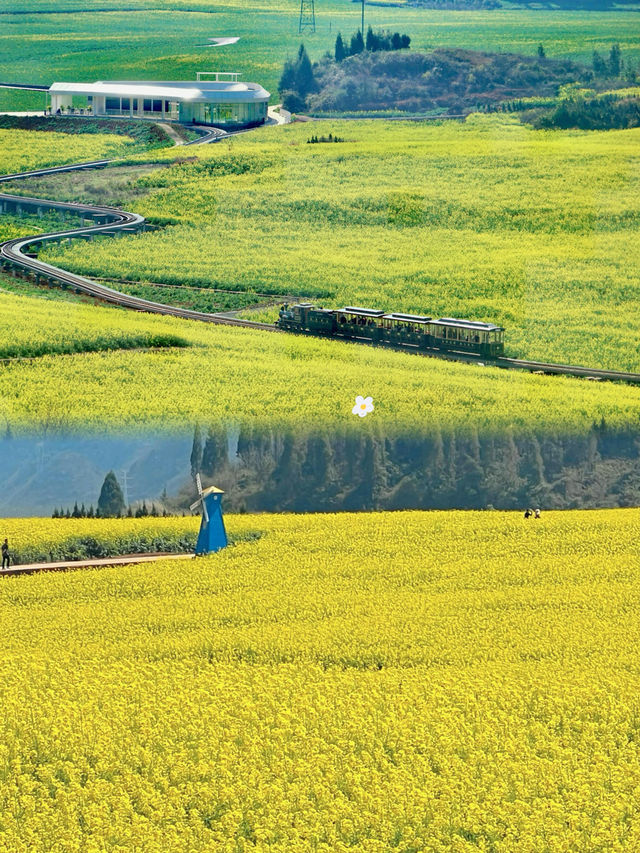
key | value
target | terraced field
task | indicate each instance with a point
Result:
(429, 681)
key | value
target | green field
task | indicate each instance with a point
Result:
(487, 219)
(376, 682)
(161, 39)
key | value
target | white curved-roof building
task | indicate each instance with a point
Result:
(224, 101)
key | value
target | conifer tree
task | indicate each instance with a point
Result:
(599, 65)
(340, 51)
(305, 81)
(357, 43)
(372, 41)
(111, 501)
(615, 62)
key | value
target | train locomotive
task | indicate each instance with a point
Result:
(412, 331)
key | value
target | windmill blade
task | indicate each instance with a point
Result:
(205, 513)
(199, 484)
(194, 505)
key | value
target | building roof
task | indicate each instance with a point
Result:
(176, 90)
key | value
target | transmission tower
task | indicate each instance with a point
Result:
(307, 16)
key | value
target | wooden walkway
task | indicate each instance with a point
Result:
(124, 560)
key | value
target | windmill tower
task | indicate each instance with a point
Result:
(212, 536)
(307, 16)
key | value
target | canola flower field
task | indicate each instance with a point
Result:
(36, 327)
(486, 219)
(49, 540)
(223, 375)
(24, 150)
(373, 682)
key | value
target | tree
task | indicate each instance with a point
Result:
(405, 41)
(357, 43)
(288, 79)
(372, 41)
(340, 51)
(541, 52)
(615, 62)
(292, 102)
(304, 80)
(396, 41)
(599, 65)
(111, 501)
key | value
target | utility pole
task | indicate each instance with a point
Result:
(362, 19)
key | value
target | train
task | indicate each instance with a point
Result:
(411, 331)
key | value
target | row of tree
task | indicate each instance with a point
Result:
(82, 512)
(111, 504)
(380, 40)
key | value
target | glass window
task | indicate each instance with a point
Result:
(126, 104)
(157, 106)
(112, 104)
(146, 105)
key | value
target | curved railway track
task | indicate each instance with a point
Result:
(15, 255)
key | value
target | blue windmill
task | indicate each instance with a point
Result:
(212, 536)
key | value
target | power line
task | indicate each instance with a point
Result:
(307, 16)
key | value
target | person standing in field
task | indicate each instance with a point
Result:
(5, 554)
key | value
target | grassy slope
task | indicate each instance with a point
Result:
(160, 39)
(258, 378)
(488, 219)
(438, 682)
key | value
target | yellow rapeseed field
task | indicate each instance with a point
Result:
(23, 150)
(380, 682)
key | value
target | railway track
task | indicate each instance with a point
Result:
(15, 255)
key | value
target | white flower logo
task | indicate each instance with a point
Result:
(363, 406)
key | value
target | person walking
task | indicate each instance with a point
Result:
(5, 554)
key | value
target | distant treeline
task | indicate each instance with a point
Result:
(141, 511)
(286, 472)
(608, 112)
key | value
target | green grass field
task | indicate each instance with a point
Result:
(487, 219)
(161, 39)
(376, 682)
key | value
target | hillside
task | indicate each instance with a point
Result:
(446, 79)
(486, 219)
(39, 45)
(411, 681)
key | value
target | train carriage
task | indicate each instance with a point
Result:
(449, 333)
(416, 331)
(353, 322)
(406, 330)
